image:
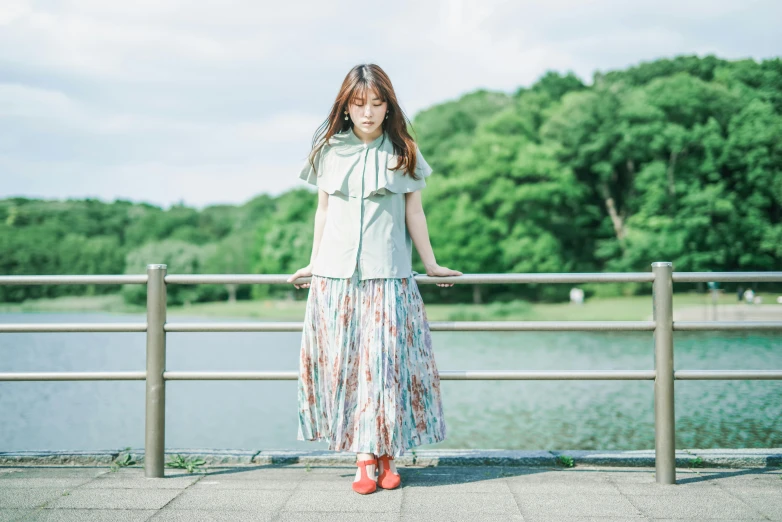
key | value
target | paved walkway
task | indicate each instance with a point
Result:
(255, 493)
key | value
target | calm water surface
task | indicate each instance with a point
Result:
(479, 414)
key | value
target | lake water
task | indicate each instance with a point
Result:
(91, 415)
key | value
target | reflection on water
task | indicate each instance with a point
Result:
(479, 414)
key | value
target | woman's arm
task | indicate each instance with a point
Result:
(320, 222)
(416, 225)
(419, 233)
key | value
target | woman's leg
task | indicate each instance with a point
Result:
(391, 465)
(387, 477)
(370, 467)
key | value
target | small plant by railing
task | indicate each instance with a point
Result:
(565, 461)
(191, 464)
(123, 460)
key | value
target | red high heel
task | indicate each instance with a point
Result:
(365, 484)
(388, 479)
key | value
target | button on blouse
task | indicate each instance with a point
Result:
(365, 227)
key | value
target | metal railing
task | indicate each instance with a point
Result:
(156, 327)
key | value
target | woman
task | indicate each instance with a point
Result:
(368, 381)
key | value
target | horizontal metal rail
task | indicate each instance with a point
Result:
(727, 277)
(585, 277)
(73, 376)
(694, 326)
(726, 375)
(72, 327)
(129, 279)
(439, 326)
(446, 375)
(282, 279)
(442, 326)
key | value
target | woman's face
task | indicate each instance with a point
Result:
(368, 115)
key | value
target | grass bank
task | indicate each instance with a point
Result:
(634, 308)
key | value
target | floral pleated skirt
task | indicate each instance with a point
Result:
(368, 382)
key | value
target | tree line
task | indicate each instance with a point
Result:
(671, 160)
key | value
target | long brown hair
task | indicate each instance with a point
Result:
(359, 82)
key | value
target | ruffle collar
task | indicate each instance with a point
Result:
(341, 167)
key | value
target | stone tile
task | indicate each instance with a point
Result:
(337, 516)
(261, 500)
(139, 481)
(384, 501)
(466, 473)
(328, 484)
(314, 470)
(571, 476)
(90, 515)
(696, 488)
(51, 472)
(468, 480)
(217, 484)
(754, 491)
(209, 515)
(115, 498)
(28, 498)
(42, 482)
(646, 476)
(530, 518)
(137, 472)
(562, 488)
(577, 505)
(462, 517)
(751, 481)
(13, 514)
(428, 502)
(271, 473)
(483, 486)
(772, 510)
(333, 472)
(699, 507)
(690, 520)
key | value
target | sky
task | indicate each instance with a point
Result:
(215, 102)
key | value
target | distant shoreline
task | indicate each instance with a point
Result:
(687, 307)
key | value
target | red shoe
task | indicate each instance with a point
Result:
(365, 484)
(387, 479)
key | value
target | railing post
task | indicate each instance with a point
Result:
(155, 429)
(664, 429)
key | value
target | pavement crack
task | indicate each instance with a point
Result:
(175, 496)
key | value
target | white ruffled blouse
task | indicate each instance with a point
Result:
(365, 226)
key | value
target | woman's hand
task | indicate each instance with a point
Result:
(440, 271)
(301, 272)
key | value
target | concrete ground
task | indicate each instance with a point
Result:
(453, 493)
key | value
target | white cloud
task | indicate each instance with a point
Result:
(157, 183)
(192, 92)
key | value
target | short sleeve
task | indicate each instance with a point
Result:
(406, 183)
(307, 173)
(332, 173)
(422, 168)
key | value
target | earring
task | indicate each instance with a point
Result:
(387, 114)
(346, 115)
